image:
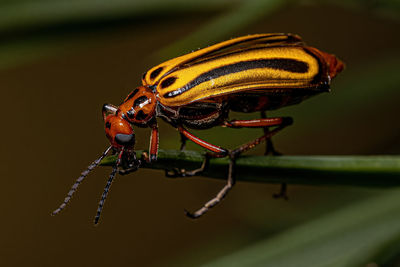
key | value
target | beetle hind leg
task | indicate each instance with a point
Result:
(183, 142)
(282, 192)
(270, 150)
(269, 146)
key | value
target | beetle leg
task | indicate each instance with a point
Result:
(183, 142)
(270, 150)
(280, 122)
(154, 141)
(129, 163)
(176, 172)
(269, 146)
(219, 151)
(234, 154)
(286, 121)
(259, 123)
(282, 193)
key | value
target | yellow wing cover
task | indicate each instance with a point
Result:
(267, 62)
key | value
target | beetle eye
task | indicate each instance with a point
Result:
(125, 139)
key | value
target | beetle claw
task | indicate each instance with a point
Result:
(191, 215)
(282, 193)
(175, 173)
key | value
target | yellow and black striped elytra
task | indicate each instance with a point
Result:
(268, 62)
(198, 90)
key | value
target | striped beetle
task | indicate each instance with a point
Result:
(254, 73)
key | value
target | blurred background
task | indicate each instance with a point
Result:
(60, 61)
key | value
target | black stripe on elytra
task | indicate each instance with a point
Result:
(244, 50)
(167, 82)
(288, 37)
(132, 94)
(155, 73)
(285, 64)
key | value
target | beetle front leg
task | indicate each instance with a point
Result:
(129, 162)
(154, 143)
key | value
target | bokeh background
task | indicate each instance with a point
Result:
(61, 60)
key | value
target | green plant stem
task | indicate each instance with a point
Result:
(380, 171)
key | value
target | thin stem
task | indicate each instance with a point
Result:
(375, 171)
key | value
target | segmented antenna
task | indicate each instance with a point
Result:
(107, 188)
(79, 180)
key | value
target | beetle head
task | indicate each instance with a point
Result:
(119, 132)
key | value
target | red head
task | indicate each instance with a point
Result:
(118, 130)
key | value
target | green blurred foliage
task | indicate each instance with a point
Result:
(61, 60)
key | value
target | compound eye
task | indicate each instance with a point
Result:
(125, 139)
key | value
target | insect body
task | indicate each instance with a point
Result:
(253, 73)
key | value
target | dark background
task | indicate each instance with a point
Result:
(56, 74)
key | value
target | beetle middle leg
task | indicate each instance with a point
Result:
(176, 172)
(216, 152)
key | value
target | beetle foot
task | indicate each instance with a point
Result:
(175, 173)
(192, 215)
(128, 170)
(282, 193)
(270, 149)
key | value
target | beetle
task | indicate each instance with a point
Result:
(253, 73)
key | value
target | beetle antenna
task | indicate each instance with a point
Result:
(107, 188)
(79, 180)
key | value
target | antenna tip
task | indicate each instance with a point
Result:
(54, 213)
